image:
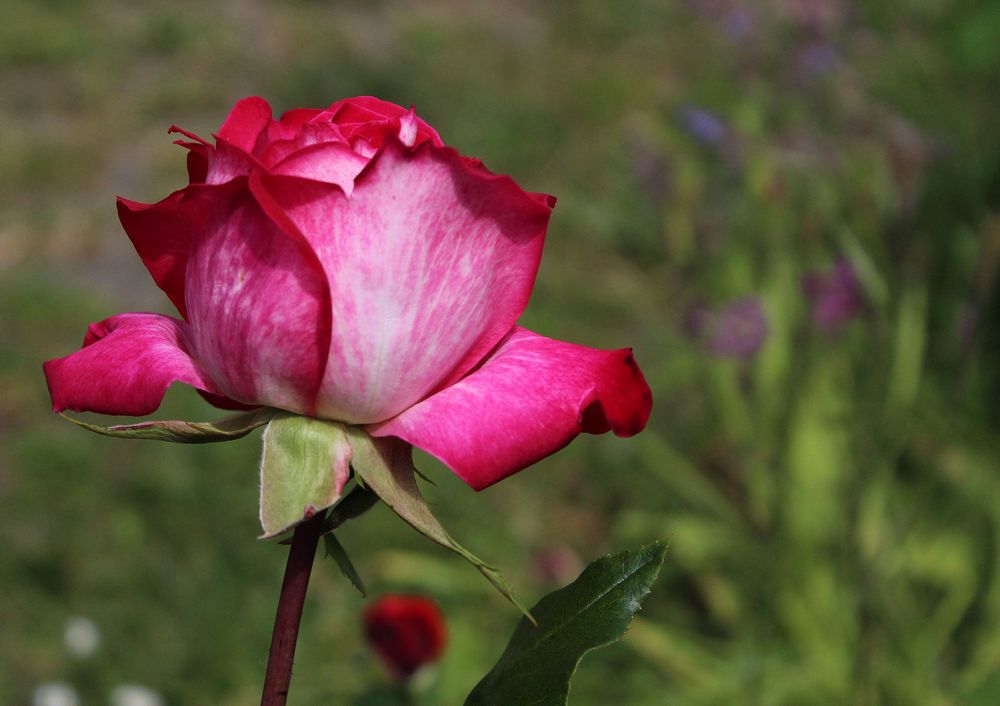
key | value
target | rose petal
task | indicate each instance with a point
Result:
(257, 302)
(227, 161)
(290, 122)
(125, 366)
(377, 132)
(245, 123)
(161, 235)
(363, 147)
(363, 109)
(332, 162)
(197, 160)
(375, 120)
(408, 128)
(197, 164)
(531, 396)
(313, 133)
(429, 265)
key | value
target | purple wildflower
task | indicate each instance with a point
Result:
(735, 330)
(835, 295)
(739, 329)
(737, 24)
(703, 125)
(817, 60)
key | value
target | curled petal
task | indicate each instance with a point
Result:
(429, 265)
(248, 119)
(161, 235)
(363, 109)
(408, 129)
(375, 120)
(197, 160)
(332, 162)
(125, 366)
(226, 162)
(531, 396)
(315, 132)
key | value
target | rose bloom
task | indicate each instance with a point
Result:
(406, 632)
(346, 264)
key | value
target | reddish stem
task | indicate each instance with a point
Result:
(289, 614)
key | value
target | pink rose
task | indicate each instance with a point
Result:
(346, 264)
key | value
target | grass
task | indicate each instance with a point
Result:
(832, 502)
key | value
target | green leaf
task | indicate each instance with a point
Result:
(356, 503)
(304, 466)
(335, 550)
(181, 432)
(593, 611)
(386, 466)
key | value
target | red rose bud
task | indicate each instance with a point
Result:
(406, 632)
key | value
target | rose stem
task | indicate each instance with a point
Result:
(289, 614)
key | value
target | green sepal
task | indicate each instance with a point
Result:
(304, 466)
(385, 465)
(354, 503)
(593, 611)
(335, 550)
(182, 432)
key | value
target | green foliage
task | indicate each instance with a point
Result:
(833, 504)
(593, 611)
(335, 550)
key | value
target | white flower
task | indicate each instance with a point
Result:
(55, 693)
(135, 695)
(81, 636)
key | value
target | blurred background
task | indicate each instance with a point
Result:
(790, 208)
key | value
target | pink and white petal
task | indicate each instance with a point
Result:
(315, 132)
(411, 131)
(363, 109)
(248, 119)
(530, 398)
(257, 303)
(227, 162)
(363, 147)
(408, 129)
(161, 235)
(332, 162)
(375, 119)
(125, 366)
(429, 263)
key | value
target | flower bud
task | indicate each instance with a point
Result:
(406, 632)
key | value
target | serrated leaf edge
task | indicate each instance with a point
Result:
(658, 556)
